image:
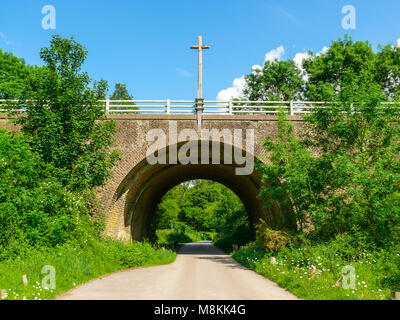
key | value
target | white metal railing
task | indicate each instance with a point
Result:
(231, 107)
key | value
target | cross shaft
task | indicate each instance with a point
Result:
(200, 47)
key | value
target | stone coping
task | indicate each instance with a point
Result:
(188, 117)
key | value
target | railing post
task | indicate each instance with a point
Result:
(199, 107)
(230, 107)
(107, 106)
(168, 106)
(291, 108)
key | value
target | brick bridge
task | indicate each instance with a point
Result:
(136, 187)
(131, 195)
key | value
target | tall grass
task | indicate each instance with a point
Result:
(316, 272)
(75, 263)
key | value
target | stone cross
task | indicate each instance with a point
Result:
(200, 48)
(199, 99)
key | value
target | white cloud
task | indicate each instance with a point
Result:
(275, 54)
(299, 58)
(235, 91)
(6, 40)
(256, 69)
(288, 15)
(183, 72)
(324, 50)
(397, 43)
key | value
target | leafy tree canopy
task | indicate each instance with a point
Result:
(14, 76)
(323, 75)
(278, 80)
(343, 176)
(121, 92)
(64, 117)
(202, 205)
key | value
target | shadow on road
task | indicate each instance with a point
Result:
(205, 250)
(199, 248)
(228, 261)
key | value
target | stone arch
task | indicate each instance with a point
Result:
(141, 190)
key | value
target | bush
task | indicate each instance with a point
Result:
(180, 232)
(347, 186)
(272, 240)
(35, 209)
(240, 236)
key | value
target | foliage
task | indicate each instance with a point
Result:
(48, 174)
(328, 71)
(168, 210)
(316, 271)
(64, 117)
(35, 209)
(121, 92)
(198, 205)
(340, 176)
(201, 210)
(278, 80)
(343, 176)
(240, 236)
(272, 240)
(75, 263)
(321, 77)
(42, 223)
(14, 76)
(201, 204)
(179, 233)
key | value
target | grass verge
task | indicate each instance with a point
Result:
(74, 264)
(327, 271)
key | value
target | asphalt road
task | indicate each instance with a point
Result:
(200, 272)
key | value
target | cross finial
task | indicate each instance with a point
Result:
(200, 47)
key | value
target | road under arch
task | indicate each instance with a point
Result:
(146, 184)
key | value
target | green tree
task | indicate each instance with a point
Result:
(14, 76)
(198, 204)
(169, 209)
(388, 70)
(35, 208)
(121, 93)
(327, 71)
(277, 81)
(65, 121)
(343, 176)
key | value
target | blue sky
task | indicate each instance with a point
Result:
(145, 44)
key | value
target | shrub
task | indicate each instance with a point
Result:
(272, 240)
(240, 236)
(35, 209)
(343, 177)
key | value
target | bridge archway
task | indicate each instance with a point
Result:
(146, 184)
